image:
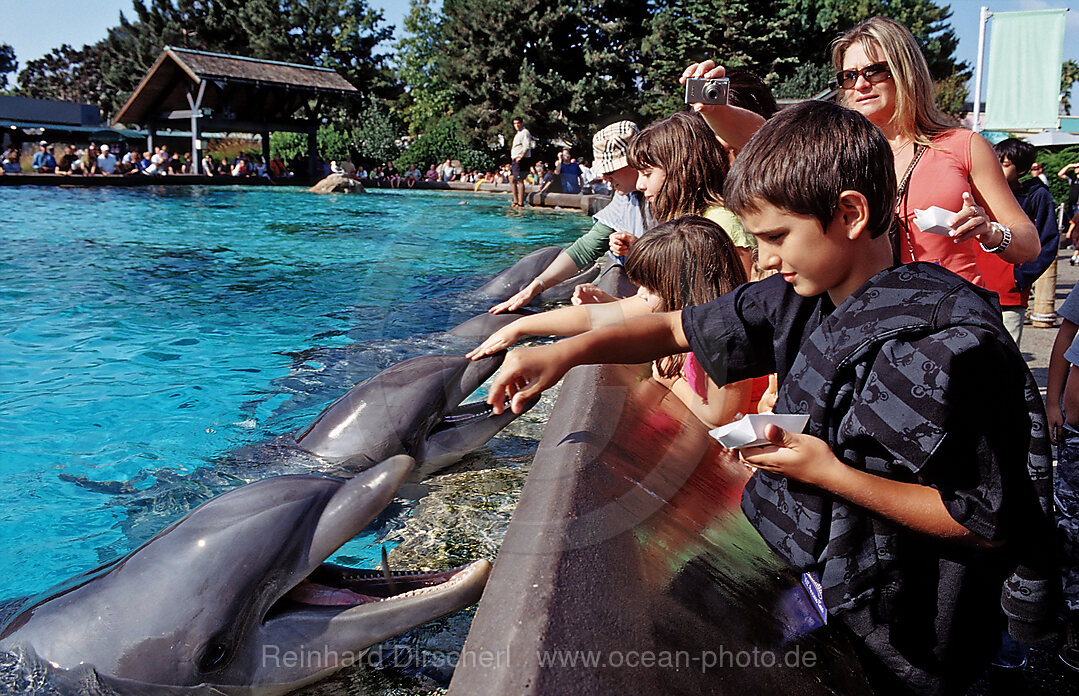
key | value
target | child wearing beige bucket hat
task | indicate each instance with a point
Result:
(610, 147)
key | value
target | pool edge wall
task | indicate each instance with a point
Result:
(532, 602)
(613, 551)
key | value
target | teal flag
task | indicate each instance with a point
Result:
(1026, 51)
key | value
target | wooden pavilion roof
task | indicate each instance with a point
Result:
(238, 93)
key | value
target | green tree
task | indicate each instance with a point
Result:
(8, 64)
(756, 35)
(343, 35)
(820, 21)
(333, 143)
(444, 141)
(338, 34)
(426, 99)
(786, 42)
(807, 80)
(1069, 75)
(377, 134)
(66, 74)
(560, 64)
(1053, 159)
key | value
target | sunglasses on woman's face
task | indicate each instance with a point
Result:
(877, 72)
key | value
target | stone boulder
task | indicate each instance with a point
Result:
(337, 183)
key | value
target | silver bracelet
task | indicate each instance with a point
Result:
(542, 284)
(1005, 239)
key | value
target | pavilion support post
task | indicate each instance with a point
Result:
(312, 152)
(196, 151)
(1044, 314)
(265, 135)
(196, 111)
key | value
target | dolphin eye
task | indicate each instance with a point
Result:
(214, 656)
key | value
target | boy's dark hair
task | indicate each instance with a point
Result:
(1020, 152)
(805, 156)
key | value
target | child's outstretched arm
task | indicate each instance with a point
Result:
(722, 404)
(564, 321)
(809, 459)
(528, 371)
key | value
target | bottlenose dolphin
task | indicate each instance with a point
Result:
(235, 598)
(512, 280)
(410, 408)
(413, 407)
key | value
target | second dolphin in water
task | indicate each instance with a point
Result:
(414, 408)
(236, 598)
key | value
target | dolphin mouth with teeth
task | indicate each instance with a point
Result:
(334, 586)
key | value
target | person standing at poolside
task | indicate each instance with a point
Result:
(67, 161)
(11, 162)
(106, 161)
(44, 162)
(1012, 282)
(520, 153)
(568, 171)
(1038, 172)
(918, 499)
(89, 161)
(1070, 174)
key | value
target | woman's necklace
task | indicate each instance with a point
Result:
(901, 199)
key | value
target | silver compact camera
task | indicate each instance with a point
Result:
(714, 91)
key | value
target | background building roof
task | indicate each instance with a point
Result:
(237, 89)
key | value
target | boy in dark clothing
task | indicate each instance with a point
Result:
(919, 493)
(1012, 282)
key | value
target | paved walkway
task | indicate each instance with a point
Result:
(1036, 343)
(1044, 675)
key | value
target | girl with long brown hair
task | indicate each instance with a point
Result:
(687, 261)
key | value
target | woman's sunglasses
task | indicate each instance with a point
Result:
(877, 72)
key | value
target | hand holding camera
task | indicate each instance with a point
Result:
(711, 91)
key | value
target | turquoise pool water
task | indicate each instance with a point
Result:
(146, 333)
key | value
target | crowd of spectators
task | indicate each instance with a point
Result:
(568, 175)
(541, 176)
(106, 160)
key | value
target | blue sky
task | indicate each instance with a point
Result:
(34, 27)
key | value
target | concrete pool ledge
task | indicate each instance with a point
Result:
(585, 202)
(628, 566)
